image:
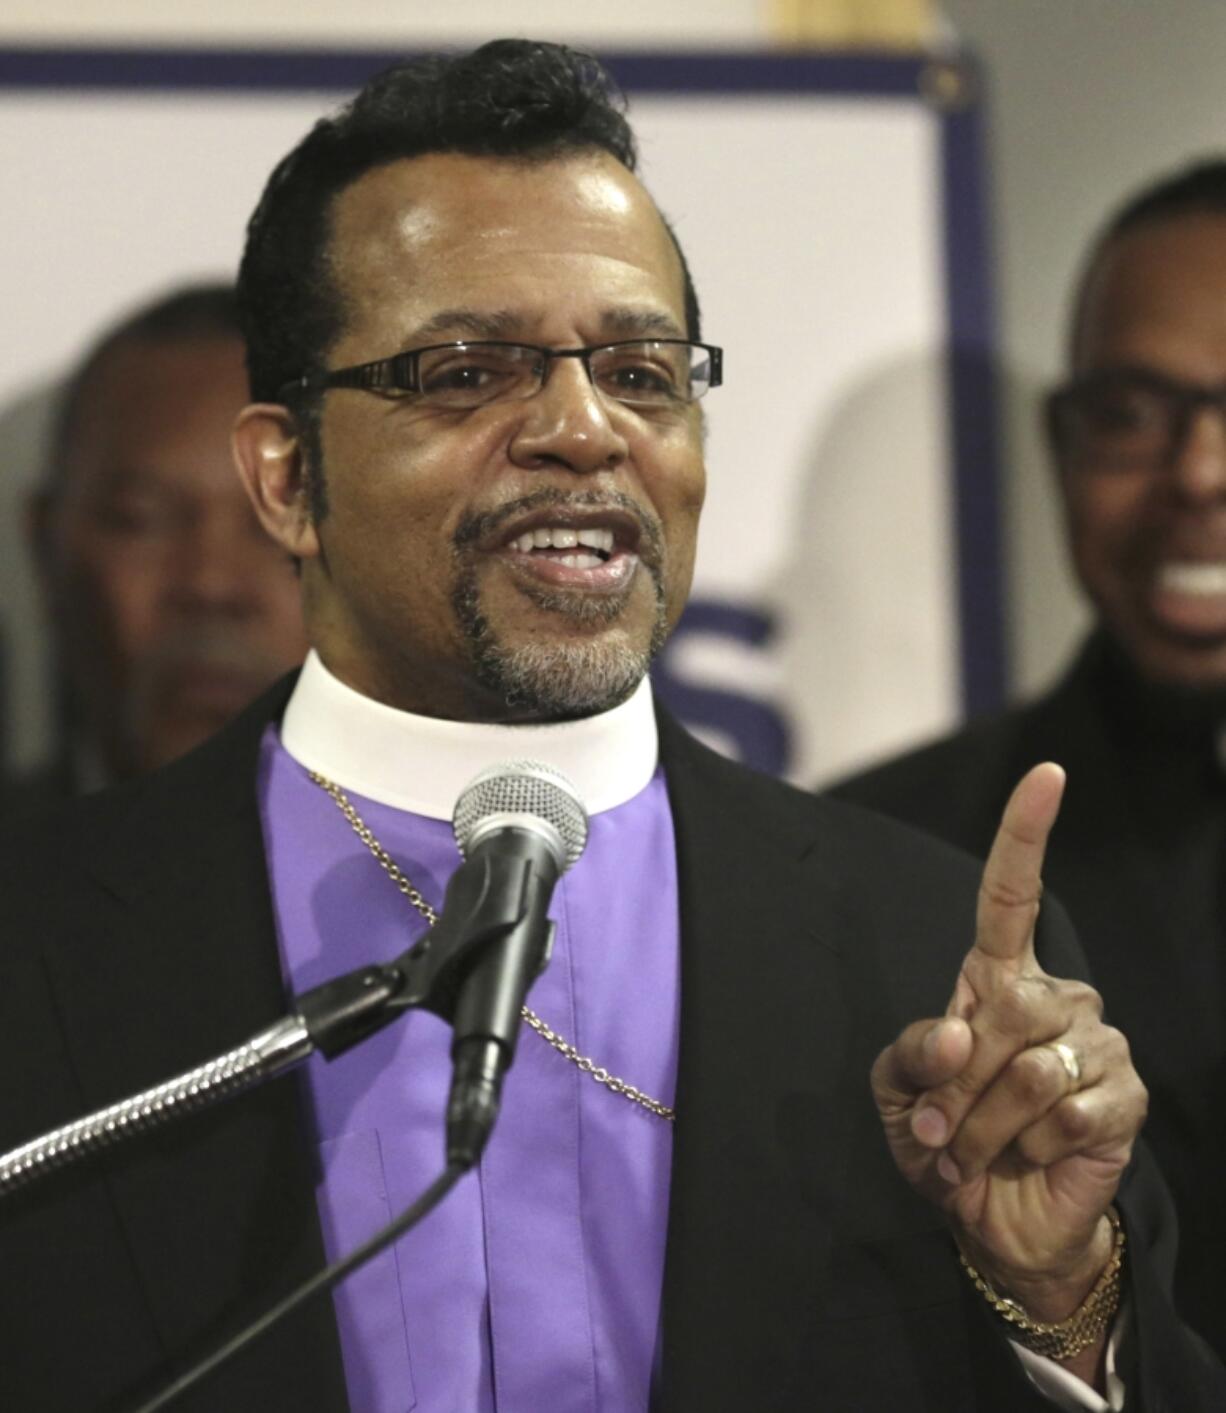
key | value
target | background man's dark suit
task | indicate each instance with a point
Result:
(1138, 856)
(802, 1271)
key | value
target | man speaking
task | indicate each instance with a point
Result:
(476, 368)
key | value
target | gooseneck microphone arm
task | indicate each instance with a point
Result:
(270, 1052)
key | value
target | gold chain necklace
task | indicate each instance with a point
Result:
(563, 1047)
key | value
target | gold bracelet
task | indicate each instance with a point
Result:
(1084, 1327)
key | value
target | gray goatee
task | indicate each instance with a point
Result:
(558, 681)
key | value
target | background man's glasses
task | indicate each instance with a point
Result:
(641, 372)
(1124, 419)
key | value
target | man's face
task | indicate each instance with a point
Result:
(421, 588)
(172, 607)
(1149, 538)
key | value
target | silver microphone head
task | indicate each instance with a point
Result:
(527, 794)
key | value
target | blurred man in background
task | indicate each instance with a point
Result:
(171, 608)
(1138, 440)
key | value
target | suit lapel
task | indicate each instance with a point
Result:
(218, 1208)
(763, 1056)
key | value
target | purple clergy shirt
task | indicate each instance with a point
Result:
(536, 1284)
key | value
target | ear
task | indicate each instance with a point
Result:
(268, 453)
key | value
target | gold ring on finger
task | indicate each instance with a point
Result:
(1071, 1061)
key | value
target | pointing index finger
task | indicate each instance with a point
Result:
(1012, 877)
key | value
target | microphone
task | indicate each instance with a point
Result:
(519, 825)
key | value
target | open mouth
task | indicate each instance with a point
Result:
(585, 548)
(1188, 597)
(592, 548)
(1197, 579)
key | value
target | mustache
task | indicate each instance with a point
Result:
(475, 528)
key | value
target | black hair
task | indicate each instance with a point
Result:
(513, 98)
(1200, 187)
(186, 313)
(1196, 189)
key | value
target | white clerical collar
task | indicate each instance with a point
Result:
(422, 763)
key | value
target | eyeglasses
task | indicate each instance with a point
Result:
(1124, 419)
(641, 372)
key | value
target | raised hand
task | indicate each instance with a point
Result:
(1016, 1112)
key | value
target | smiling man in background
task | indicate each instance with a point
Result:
(170, 608)
(1138, 440)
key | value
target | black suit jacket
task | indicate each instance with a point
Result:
(1138, 857)
(801, 1272)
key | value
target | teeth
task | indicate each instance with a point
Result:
(562, 537)
(1197, 579)
(582, 561)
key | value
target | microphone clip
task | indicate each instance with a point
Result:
(487, 900)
